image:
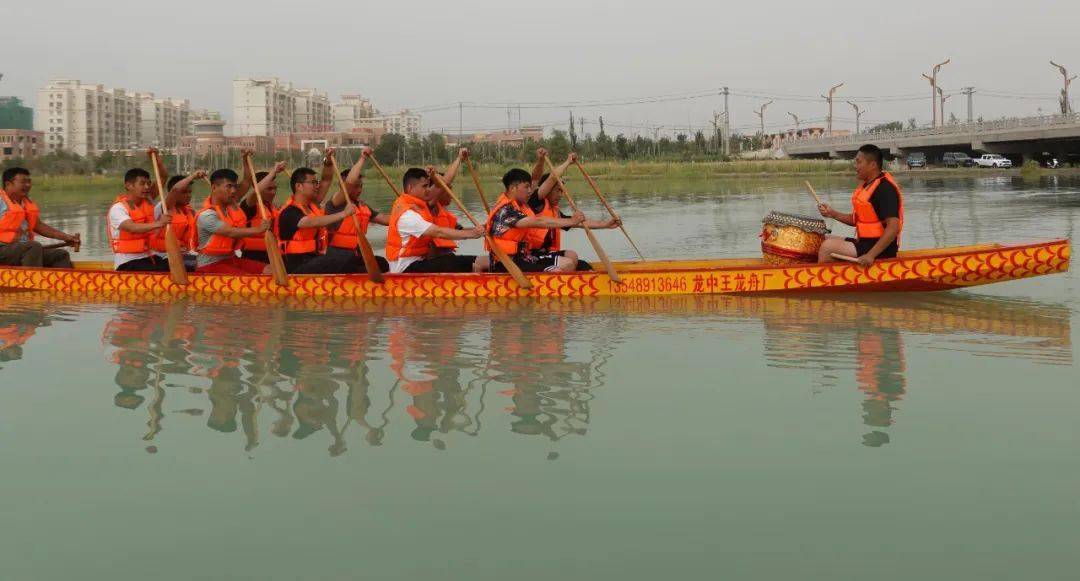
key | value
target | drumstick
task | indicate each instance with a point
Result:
(813, 193)
(844, 258)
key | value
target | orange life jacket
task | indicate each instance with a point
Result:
(183, 225)
(345, 236)
(538, 237)
(867, 222)
(305, 240)
(258, 243)
(219, 245)
(13, 218)
(446, 219)
(418, 245)
(130, 242)
(15, 334)
(515, 240)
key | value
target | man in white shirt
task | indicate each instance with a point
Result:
(130, 223)
(411, 233)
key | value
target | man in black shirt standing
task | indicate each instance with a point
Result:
(877, 214)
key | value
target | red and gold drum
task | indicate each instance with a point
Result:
(791, 239)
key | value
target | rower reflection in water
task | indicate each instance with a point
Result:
(435, 370)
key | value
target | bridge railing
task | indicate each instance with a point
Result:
(952, 129)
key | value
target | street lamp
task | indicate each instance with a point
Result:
(830, 100)
(1066, 107)
(761, 116)
(858, 115)
(933, 90)
(796, 118)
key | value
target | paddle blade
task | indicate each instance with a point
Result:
(372, 265)
(176, 257)
(277, 263)
(608, 266)
(509, 265)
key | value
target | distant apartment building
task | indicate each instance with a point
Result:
(19, 144)
(163, 121)
(313, 111)
(350, 111)
(403, 122)
(303, 141)
(87, 119)
(268, 107)
(15, 115)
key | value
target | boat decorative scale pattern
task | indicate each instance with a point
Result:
(940, 270)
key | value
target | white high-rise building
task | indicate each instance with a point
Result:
(164, 121)
(268, 107)
(87, 119)
(313, 112)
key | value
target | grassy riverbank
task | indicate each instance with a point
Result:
(624, 172)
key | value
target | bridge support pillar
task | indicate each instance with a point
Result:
(977, 145)
(897, 152)
(833, 154)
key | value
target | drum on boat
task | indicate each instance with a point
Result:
(791, 238)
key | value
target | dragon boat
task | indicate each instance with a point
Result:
(916, 270)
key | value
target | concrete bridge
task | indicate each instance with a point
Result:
(1019, 139)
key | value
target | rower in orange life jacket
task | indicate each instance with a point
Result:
(183, 219)
(254, 247)
(518, 231)
(130, 224)
(412, 231)
(221, 227)
(443, 217)
(544, 201)
(877, 214)
(342, 237)
(302, 227)
(20, 221)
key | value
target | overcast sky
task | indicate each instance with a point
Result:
(422, 54)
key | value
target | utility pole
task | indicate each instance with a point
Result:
(858, 116)
(761, 116)
(828, 120)
(460, 117)
(796, 118)
(1066, 107)
(727, 123)
(943, 97)
(933, 90)
(716, 128)
(969, 91)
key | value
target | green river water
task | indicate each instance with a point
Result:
(860, 437)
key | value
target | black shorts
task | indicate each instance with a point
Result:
(147, 264)
(335, 261)
(444, 263)
(533, 262)
(864, 245)
(256, 255)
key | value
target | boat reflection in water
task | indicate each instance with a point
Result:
(430, 371)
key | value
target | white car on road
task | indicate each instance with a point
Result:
(992, 160)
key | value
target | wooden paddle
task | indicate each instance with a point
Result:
(382, 172)
(172, 244)
(843, 257)
(362, 243)
(596, 188)
(608, 266)
(273, 251)
(476, 182)
(503, 258)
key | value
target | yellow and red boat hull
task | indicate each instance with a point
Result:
(921, 270)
